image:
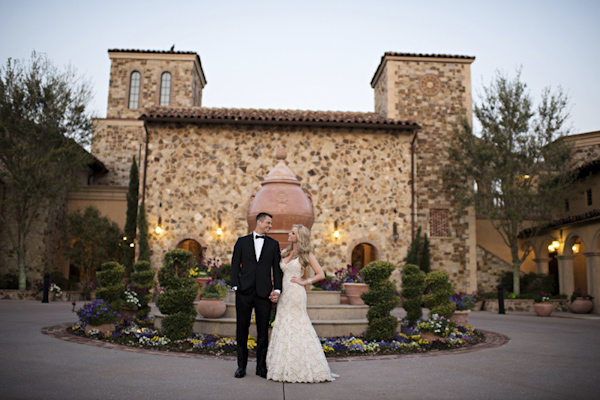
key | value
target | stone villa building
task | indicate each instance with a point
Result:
(372, 177)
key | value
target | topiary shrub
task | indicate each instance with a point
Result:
(439, 289)
(110, 283)
(142, 280)
(176, 301)
(413, 286)
(381, 299)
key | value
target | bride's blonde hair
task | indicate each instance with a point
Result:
(303, 246)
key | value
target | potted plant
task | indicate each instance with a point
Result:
(436, 328)
(542, 305)
(580, 303)
(464, 305)
(131, 304)
(98, 317)
(353, 284)
(55, 290)
(205, 272)
(211, 304)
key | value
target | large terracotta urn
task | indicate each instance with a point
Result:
(282, 197)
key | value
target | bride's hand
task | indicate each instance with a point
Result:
(297, 280)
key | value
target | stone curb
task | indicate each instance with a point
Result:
(492, 340)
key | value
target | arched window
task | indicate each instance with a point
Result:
(165, 89)
(134, 90)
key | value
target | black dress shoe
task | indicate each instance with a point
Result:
(261, 372)
(240, 372)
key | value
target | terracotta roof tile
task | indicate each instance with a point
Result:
(150, 51)
(420, 55)
(469, 59)
(277, 117)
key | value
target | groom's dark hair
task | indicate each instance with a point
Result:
(262, 216)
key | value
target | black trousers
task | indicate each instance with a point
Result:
(244, 303)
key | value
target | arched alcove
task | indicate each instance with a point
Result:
(363, 254)
(193, 247)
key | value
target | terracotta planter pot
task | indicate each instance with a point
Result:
(581, 306)
(211, 308)
(128, 313)
(353, 291)
(104, 328)
(543, 309)
(460, 318)
(344, 299)
(431, 337)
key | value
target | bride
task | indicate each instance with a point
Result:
(295, 353)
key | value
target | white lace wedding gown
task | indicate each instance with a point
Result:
(295, 353)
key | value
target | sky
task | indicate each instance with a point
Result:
(319, 55)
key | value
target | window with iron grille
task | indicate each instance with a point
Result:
(439, 224)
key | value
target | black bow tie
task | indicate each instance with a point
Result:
(259, 237)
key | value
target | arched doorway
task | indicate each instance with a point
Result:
(193, 247)
(363, 254)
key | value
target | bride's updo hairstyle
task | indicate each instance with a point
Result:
(304, 247)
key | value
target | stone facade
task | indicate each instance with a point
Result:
(198, 173)
(435, 91)
(490, 270)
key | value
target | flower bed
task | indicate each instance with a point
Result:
(407, 341)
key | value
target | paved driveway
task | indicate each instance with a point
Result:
(546, 358)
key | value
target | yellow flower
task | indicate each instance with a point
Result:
(327, 349)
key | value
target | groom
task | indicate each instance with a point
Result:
(255, 272)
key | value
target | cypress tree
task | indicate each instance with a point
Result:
(131, 221)
(144, 248)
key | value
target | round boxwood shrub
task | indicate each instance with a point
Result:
(142, 280)
(110, 283)
(381, 299)
(179, 290)
(413, 286)
(439, 289)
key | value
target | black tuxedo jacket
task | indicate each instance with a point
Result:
(248, 274)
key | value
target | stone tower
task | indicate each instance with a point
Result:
(141, 80)
(434, 90)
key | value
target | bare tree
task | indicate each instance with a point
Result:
(44, 122)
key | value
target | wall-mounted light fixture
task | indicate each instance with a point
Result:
(159, 227)
(336, 232)
(575, 248)
(219, 229)
(552, 247)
